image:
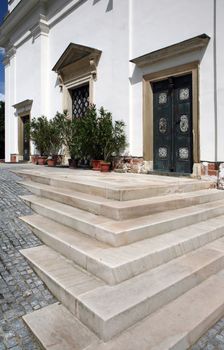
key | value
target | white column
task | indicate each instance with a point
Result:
(13, 116)
(7, 112)
(220, 79)
(40, 36)
(11, 121)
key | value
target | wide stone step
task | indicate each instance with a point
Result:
(57, 329)
(108, 310)
(121, 210)
(177, 325)
(121, 187)
(119, 233)
(116, 264)
(66, 280)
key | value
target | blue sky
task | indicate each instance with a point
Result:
(3, 11)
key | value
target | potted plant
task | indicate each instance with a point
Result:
(38, 129)
(71, 138)
(55, 132)
(112, 138)
(94, 142)
(74, 151)
(88, 135)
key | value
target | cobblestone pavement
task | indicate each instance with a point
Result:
(213, 339)
(21, 291)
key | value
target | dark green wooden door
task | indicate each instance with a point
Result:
(26, 139)
(172, 125)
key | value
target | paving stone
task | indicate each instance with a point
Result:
(21, 291)
(213, 339)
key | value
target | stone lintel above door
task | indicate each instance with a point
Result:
(193, 44)
(23, 107)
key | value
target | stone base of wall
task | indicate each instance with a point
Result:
(210, 168)
(132, 165)
(140, 166)
(220, 180)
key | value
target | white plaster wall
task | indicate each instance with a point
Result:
(107, 30)
(28, 77)
(220, 78)
(11, 122)
(157, 24)
(32, 79)
(8, 117)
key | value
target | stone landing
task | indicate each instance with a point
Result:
(136, 261)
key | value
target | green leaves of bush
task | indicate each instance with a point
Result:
(94, 136)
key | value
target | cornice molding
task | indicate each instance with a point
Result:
(16, 17)
(193, 44)
(77, 59)
(25, 7)
(9, 54)
(40, 28)
(23, 107)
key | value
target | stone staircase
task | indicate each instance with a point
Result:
(136, 261)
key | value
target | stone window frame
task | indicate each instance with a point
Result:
(76, 66)
(75, 83)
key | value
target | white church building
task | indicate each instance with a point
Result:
(158, 65)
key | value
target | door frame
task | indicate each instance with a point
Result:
(148, 79)
(21, 135)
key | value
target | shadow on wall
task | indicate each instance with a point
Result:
(67, 12)
(163, 64)
(110, 5)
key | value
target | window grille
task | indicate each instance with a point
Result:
(80, 101)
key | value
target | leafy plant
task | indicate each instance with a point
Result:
(46, 134)
(112, 137)
(80, 135)
(39, 134)
(93, 136)
(97, 136)
(71, 135)
(88, 131)
(55, 134)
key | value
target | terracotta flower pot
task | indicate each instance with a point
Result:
(96, 164)
(42, 160)
(52, 162)
(104, 167)
(34, 159)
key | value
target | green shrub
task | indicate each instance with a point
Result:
(39, 134)
(93, 136)
(111, 135)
